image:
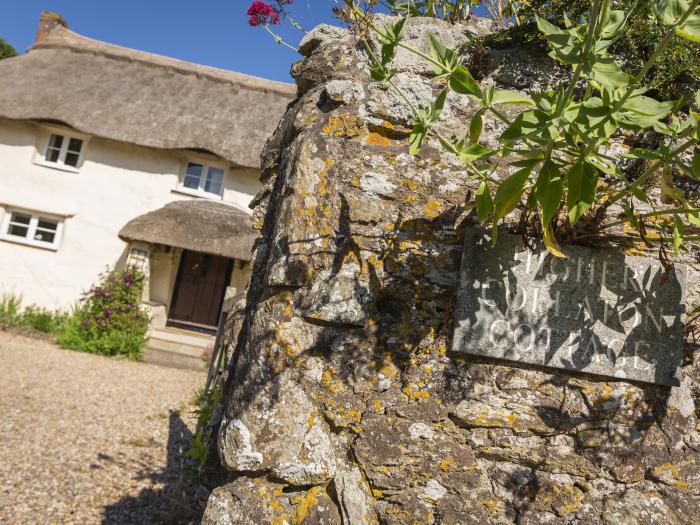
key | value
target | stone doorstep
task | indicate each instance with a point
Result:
(177, 348)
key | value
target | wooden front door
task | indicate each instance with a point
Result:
(199, 289)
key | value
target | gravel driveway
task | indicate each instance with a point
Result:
(89, 439)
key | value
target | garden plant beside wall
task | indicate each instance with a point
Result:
(109, 320)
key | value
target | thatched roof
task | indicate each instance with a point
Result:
(133, 96)
(199, 225)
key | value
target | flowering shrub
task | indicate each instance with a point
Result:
(260, 13)
(109, 320)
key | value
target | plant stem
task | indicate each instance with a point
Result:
(278, 39)
(651, 214)
(648, 173)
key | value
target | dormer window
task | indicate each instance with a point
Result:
(63, 151)
(203, 180)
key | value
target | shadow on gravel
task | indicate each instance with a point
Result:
(174, 503)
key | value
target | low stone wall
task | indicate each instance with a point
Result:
(344, 404)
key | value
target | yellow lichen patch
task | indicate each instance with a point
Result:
(446, 464)
(354, 415)
(377, 493)
(378, 406)
(304, 504)
(410, 184)
(327, 381)
(410, 199)
(311, 420)
(442, 349)
(670, 474)
(414, 392)
(377, 139)
(489, 503)
(432, 209)
(343, 126)
(389, 370)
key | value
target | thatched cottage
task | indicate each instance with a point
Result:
(113, 156)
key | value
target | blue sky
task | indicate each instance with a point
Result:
(211, 32)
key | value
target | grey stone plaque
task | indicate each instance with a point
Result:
(597, 311)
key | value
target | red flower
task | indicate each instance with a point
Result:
(262, 13)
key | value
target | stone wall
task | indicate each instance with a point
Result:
(343, 403)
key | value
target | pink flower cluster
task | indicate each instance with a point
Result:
(262, 13)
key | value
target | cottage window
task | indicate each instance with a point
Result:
(63, 151)
(28, 228)
(203, 180)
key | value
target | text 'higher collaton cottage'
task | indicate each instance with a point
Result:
(111, 157)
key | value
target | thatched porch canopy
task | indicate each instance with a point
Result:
(198, 225)
(150, 100)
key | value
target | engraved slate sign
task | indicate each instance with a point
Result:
(597, 311)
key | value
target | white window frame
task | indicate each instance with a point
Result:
(60, 164)
(29, 240)
(199, 192)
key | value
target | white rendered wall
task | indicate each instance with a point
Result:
(116, 182)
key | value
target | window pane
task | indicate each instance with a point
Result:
(72, 159)
(45, 224)
(191, 182)
(56, 141)
(194, 170)
(193, 175)
(19, 231)
(20, 218)
(74, 145)
(52, 154)
(53, 150)
(45, 236)
(214, 178)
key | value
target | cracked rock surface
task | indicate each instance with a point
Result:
(354, 410)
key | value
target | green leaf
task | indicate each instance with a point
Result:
(646, 154)
(435, 108)
(643, 112)
(473, 152)
(549, 189)
(503, 96)
(483, 201)
(582, 180)
(418, 134)
(640, 195)
(693, 217)
(678, 230)
(691, 29)
(546, 28)
(509, 192)
(695, 166)
(669, 11)
(606, 72)
(462, 82)
(648, 106)
(475, 126)
(550, 242)
(448, 59)
(380, 73)
(612, 23)
(394, 33)
(531, 123)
